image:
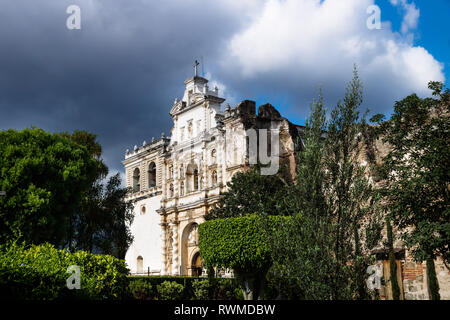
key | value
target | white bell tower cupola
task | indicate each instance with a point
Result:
(196, 111)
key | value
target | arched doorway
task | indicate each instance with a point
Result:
(196, 265)
(189, 247)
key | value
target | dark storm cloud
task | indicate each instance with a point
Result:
(117, 76)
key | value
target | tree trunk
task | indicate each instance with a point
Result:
(252, 284)
(211, 278)
(433, 285)
(392, 263)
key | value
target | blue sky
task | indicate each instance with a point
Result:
(432, 33)
(433, 28)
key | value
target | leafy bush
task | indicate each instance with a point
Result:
(200, 288)
(170, 290)
(237, 243)
(221, 289)
(141, 289)
(39, 272)
(242, 244)
(224, 289)
(194, 287)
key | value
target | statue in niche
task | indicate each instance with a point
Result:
(190, 128)
(192, 238)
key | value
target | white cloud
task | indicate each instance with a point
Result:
(318, 42)
(411, 17)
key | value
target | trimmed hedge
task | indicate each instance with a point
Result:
(170, 290)
(238, 243)
(194, 288)
(140, 289)
(39, 273)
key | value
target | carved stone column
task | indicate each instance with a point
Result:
(175, 251)
(164, 253)
(163, 166)
(205, 173)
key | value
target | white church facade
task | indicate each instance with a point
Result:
(176, 179)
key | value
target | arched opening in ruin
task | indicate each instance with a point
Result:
(151, 175)
(136, 180)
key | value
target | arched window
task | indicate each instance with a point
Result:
(195, 179)
(182, 188)
(142, 210)
(171, 190)
(151, 175)
(191, 177)
(136, 180)
(214, 177)
(140, 265)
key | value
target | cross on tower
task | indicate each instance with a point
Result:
(196, 63)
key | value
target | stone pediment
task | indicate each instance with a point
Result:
(177, 107)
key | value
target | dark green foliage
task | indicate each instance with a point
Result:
(44, 176)
(201, 288)
(151, 284)
(222, 289)
(170, 290)
(39, 273)
(240, 244)
(140, 289)
(350, 200)
(248, 192)
(378, 118)
(236, 243)
(194, 288)
(433, 285)
(417, 174)
(102, 221)
(324, 251)
(55, 193)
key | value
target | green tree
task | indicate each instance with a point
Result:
(241, 244)
(417, 176)
(301, 247)
(102, 220)
(248, 192)
(325, 251)
(44, 176)
(351, 202)
(114, 235)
